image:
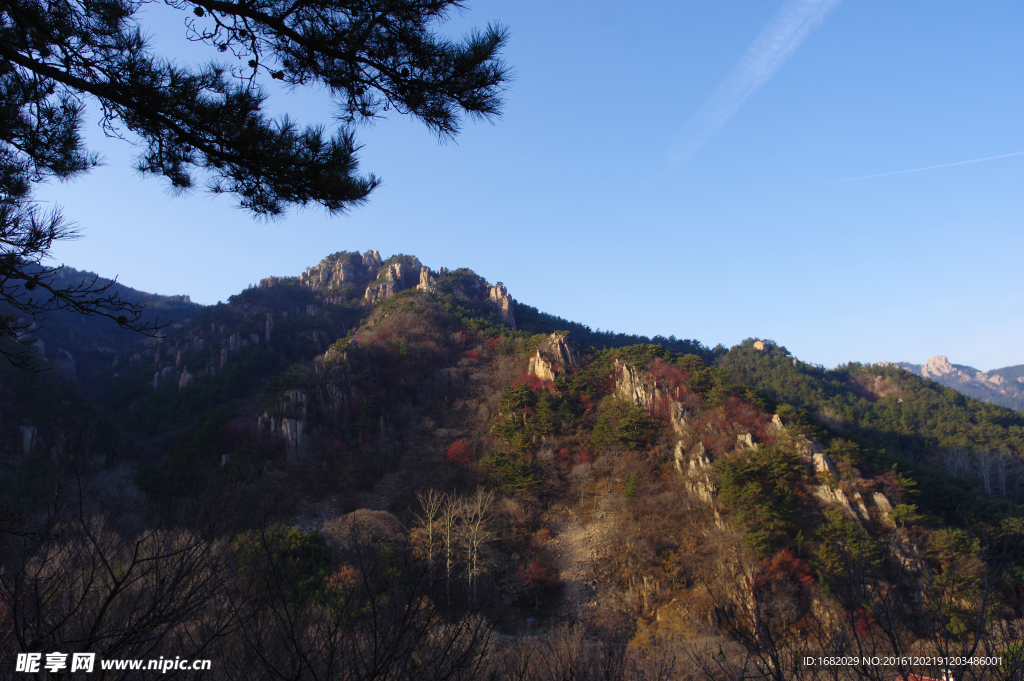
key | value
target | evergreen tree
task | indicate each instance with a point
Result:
(207, 124)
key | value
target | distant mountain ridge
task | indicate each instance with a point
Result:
(1004, 387)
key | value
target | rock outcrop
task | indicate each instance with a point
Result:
(291, 430)
(633, 384)
(500, 297)
(554, 356)
(29, 435)
(390, 281)
(270, 282)
(1004, 387)
(428, 280)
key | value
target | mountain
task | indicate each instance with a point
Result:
(1004, 387)
(377, 468)
(91, 347)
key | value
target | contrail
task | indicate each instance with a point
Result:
(917, 170)
(776, 43)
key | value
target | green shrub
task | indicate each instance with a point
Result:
(632, 485)
(762, 489)
(512, 474)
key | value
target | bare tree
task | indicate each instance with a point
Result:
(475, 534)
(431, 503)
(73, 583)
(450, 532)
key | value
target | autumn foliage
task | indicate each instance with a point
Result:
(459, 453)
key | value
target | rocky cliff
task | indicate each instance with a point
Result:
(1004, 387)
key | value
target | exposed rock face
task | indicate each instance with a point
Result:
(185, 379)
(500, 297)
(761, 346)
(1004, 387)
(381, 292)
(269, 282)
(884, 508)
(162, 377)
(823, 464)
(427, 280)
(633, 385)
(292, 431)
(372, 261)
(679, 455)
(680, 419)
(831, 493)
(394, 281)
(29, 435)
(294, 437)
(699, 474)
(836, 496)
(333, 271)
(553, 356)
(938, 367)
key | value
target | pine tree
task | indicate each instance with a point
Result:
(207, 125)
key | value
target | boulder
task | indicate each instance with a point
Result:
(761, 346)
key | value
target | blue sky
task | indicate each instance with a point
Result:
(679, 168)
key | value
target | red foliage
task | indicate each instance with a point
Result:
(671, 379)
(466, 336)
(863, 622)
(493, 343)
(890, 484)
(536, 385)
(746, 414)
(563, 456)
(473, 354)
(459, 453)
(584, 457)
(535, 574)
(783, 568)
